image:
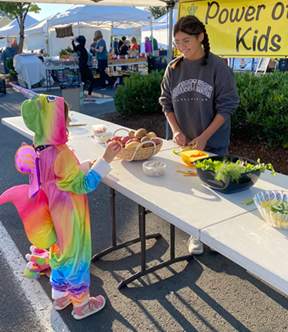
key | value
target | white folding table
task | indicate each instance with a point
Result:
(186, 203)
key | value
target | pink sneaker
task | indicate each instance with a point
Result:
(90, 307)
(62, 302)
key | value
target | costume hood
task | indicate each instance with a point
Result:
(45, 116)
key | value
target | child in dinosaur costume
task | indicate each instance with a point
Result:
(54, 207)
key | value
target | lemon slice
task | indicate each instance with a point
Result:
(266, 204)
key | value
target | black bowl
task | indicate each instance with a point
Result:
(246, 181)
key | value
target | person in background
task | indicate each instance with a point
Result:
(155, 43)
(199, 95)
(134, 48)
(124, 50)
(102, 59)
(121, 42)
(148, 45)
(86, 75)
(92, 47)
(134, 45)
(115, 46)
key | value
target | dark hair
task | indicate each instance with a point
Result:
(66, 110)
(123, 38)
(192, 26)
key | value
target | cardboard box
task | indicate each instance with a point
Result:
(75, 98)
(272, 64)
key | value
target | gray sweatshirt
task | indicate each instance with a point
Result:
(196, 94)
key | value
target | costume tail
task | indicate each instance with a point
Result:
(35, 215)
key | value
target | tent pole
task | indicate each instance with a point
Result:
(151, 33)
(170, 6)
(50, 43)
(170, 33)
(78, 27)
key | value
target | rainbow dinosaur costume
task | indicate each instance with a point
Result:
(54, 207)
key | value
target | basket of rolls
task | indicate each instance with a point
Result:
(136, 145)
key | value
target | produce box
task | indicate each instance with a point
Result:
(115, 62)
(130, 60)
(140, 60)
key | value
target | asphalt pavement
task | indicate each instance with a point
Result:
(209, 293)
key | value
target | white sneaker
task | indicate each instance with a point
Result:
(195, 247)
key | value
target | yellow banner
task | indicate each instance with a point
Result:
(250, 28)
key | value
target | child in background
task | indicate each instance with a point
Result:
(86, 74)
(199, 95)
(58, 216)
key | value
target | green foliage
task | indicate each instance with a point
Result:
(19, 11)
(10, 67)
(140, 94)
(264, 104)
(225, 168)
(66, 51)
(157, 11)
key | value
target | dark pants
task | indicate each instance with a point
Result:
(86, 75)
(102, 65)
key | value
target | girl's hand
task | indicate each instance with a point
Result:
(200, 143)
(179, 138)
(111, 151)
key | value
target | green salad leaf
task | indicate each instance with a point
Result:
(185, 148)
(226, 168)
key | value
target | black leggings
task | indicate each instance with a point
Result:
(102, 65)
(86, 75)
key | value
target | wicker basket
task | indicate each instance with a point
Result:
(140, 153)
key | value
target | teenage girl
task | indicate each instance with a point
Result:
(199, 95)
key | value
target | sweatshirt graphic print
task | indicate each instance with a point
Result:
(195, 94)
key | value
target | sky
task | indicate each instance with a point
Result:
(48, 10)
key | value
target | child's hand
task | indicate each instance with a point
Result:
(111, 151)
(92, 162)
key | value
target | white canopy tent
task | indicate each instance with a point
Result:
(102, 15)
(138, 3)
(36, 35)
(105, 18)
(12, 29)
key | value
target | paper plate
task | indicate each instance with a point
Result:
(189, 156)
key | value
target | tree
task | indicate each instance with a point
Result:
(157, 11)
(19, 10)
(3, 14)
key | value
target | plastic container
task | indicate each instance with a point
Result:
(265, 199)
(102, 138)
(246, 181)
(154, 168)
(99, 129)
(190, 156)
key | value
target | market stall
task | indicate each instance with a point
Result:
(221, 221)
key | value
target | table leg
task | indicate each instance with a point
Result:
(116, 246)
(170, 261)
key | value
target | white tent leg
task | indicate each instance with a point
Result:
(169, 53)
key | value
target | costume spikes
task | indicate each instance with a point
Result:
(27, 93)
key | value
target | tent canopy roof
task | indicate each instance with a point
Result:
(138, 3)
(12, 29)
(38, 27)
(99, 15)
